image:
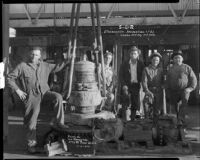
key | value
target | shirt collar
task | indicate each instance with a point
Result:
(151, 66)
(33, 66)
(130, 62)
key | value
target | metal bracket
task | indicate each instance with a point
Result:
(33, 21)
(179, 18)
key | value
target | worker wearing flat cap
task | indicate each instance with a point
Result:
(152, 82)
(33, 89)
(131, 75)
(181, 80)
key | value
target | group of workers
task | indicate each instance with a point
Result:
(33, 87)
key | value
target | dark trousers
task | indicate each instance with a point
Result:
(155, 105)
(179, 100)
(5, 112)
(7, 103)
(134, 89)
(32, 109)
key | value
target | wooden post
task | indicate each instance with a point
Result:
(100, 45)
(74, 51)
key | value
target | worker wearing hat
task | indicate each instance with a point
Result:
(33, 76)
(152, 82)
(181, 80)
(110, 79)
(131, 75)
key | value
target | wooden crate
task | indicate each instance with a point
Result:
(138, 131)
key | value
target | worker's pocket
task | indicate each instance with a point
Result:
(28, 80)
(28, 83)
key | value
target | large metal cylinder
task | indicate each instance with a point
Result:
(85, 95)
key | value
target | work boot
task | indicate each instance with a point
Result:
(137, 116)
(31, 148)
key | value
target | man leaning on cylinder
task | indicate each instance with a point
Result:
(33, 89)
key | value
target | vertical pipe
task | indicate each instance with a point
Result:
(116, 74)
(69, 46)
(54, 29)
(95, 43)
(100, 44)
(74, 51)
(71, 29)
(93, 24)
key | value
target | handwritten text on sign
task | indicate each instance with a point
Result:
(77, 140)
(138, 33)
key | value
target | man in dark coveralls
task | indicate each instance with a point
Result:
(33, 77)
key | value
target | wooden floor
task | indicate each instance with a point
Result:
(15, 147)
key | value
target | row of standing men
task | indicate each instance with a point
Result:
(179, 81)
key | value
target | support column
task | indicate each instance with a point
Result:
(5, 24)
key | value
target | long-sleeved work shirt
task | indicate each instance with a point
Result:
(32, 79)
(152, 77)
(180, 77)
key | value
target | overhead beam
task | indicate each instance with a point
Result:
(147, 13)
(110, 22)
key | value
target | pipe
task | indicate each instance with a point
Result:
(93, 24)
(71, 28)
(100, 45)
(95, 44)
(69, 45)
(74, 51)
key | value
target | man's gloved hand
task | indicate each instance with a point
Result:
(22, 95)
